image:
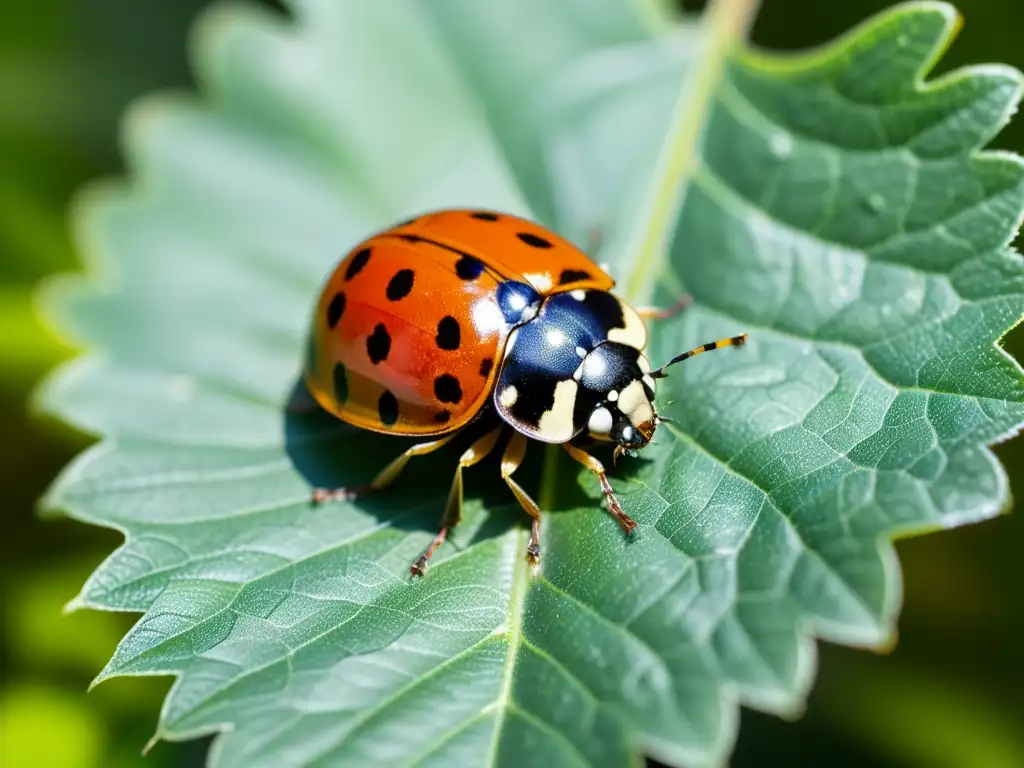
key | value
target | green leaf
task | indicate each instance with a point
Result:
(829, 203)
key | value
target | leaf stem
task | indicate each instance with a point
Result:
(725, 22)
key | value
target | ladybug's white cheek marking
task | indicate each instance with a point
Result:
(600, 421)
(556, 423)
(634, 334)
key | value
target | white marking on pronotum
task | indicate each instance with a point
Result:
(508, 396)
(633, 334)
(643, 363)
(555, 423)
(581, 351)
(600, 421)
(613, 396)
(579, 294)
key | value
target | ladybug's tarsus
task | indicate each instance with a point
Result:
(419, 566)
(533, 548)
(595, 466)
(322, 495)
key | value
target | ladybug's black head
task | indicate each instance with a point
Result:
(618, 380)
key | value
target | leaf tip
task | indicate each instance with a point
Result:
(155, 739)
(73, 605)
(105, 674)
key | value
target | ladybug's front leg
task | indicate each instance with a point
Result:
(385, 477)
(595, 466)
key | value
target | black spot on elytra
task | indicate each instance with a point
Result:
(533, 241)
(573, 276)
(469, 268)
(447, 388)
(335, 309)
(358, 262)
(378, 344)
(448, 333)
(484, 215)
(442, 417)
(387, 408)
(485, 367)
(340, 383)
(400, 285)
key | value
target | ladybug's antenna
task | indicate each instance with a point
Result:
(732, 341)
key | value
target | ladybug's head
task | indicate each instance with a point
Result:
(621, 390)
(621, 386)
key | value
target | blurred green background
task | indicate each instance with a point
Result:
(950, 694)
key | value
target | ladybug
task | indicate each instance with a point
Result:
(473, 317)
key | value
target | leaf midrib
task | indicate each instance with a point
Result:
(725, 22)
(517, 600)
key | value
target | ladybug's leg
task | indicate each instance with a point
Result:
(453, 510)
(658, 313)
(386, 476)
(510, 461)
(595, 466)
